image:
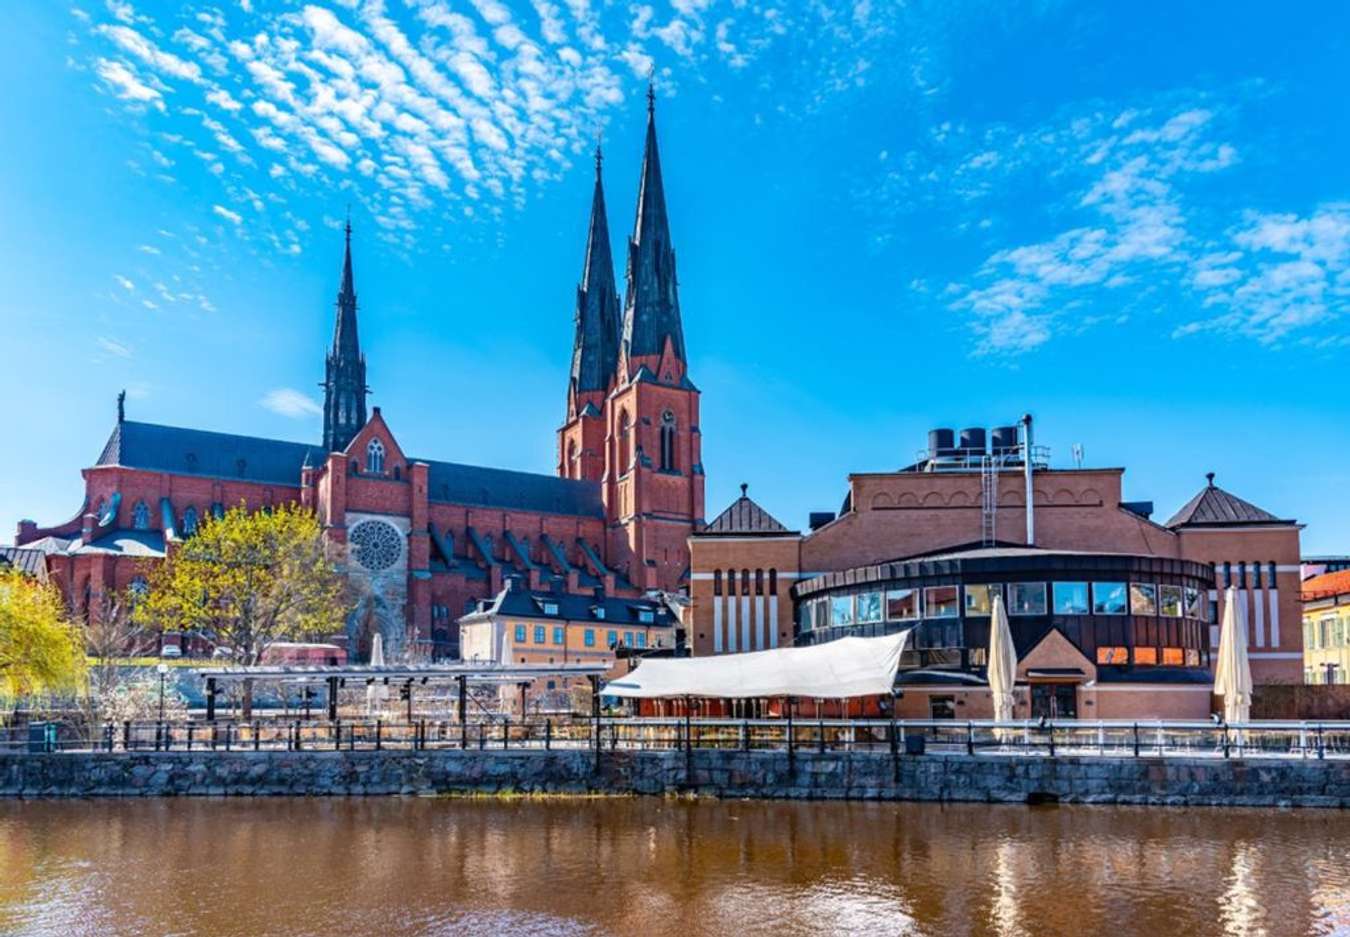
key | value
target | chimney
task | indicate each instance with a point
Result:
(1026, 468)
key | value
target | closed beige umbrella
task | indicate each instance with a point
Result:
(377, 694)
(1232, 672)
(1002, 668)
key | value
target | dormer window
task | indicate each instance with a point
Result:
(375, 457)
(550, 608)
(646, 616)
(598, 611)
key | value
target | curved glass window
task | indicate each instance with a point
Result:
(1026, 598)
(1195, 603)
(841, 610)
(980, 599)
(1143, 598)
(942, 601)
(1108, 598)
(1169, 601)
(1071, 598)
(902, 604)
(869, 606)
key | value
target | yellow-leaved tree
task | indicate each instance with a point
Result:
(248, 580)
(41, 649)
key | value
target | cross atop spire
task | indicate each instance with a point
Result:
(651, 92)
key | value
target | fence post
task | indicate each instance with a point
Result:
(820, 731)
(189, 739)
(970, 737)
(337, 735)
(1321, 748)
(548, 734)
(1050, 727)
(228, 727)
(378, 741)
(895, 748)
(506, 733)
(1136, 740)
(257, 737)
(126, 735)
(745, 735)
(1225, 740)
(109, 733)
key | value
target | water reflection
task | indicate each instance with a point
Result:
(654, 867)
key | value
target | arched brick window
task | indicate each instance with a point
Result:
(573, 470)
(140, 516)
(773, 582)
(375, 457)
(717, 582)
(189, 521)
(625, 441)
(745, 582)
(668, 442)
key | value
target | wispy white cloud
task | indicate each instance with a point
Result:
(114, 347)
(123, 282)
(231, 216)
(290, 402)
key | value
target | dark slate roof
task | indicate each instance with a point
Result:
(744, 517)
(521, 491)
(1215, 507)
(250, 458)
(199, 452)
(148, 543)
(28, 561)
(516, 601)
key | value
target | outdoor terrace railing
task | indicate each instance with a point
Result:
(1299, 740)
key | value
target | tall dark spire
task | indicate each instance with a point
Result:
(344, 397)
(595, 351)
(652, 305)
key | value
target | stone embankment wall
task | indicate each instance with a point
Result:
(834, 775)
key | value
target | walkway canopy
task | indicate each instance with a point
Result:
(838, 669)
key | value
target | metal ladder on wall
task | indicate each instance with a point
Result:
(988, 500)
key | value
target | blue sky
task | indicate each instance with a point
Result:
(1132, 220)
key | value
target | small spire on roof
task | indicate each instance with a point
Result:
(1209, 477)
(599, 154)
(651, 91)
(121, 406)
(744, 488)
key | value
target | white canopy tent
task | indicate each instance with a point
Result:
(839, 669)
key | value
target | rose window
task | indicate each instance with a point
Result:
(376, 545)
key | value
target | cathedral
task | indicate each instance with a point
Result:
(427, 541)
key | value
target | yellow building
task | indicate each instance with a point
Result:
(1326, 628)
(524, 626)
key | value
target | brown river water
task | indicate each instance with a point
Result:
(397, 867)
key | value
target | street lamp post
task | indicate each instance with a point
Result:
(163, 671)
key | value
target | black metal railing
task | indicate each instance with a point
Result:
(1299, 740)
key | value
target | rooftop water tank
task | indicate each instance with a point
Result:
(941, 442)
(972, 441)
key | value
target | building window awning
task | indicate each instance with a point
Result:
(839, 669)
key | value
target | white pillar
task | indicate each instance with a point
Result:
(731, 624)
(745, 623)
(1259, 606)
(1274, 616)
(717, 624)
(773, 621)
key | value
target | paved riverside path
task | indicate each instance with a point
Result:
(859, 775)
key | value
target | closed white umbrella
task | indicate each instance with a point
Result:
(1232, 672)
(1002, 667)
(377, 693)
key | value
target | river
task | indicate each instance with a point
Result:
(393, 866)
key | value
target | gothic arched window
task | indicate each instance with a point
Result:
(625, 441)
(572, 469)
(668, 442)
(189, 521)
(375, 457)
(140, 516)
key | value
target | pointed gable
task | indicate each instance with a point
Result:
(1214, 507)
(745, 518)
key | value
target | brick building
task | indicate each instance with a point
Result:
(427, 540)
(1114, 615)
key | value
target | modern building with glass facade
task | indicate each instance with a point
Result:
(1114, 614)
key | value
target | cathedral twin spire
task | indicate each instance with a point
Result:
(605, 341)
